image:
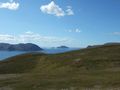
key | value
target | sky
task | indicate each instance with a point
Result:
(51, 23)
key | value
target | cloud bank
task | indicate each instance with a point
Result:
(30, 37)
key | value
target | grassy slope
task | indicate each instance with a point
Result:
(95, 67)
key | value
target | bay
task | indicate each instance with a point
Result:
(7, 54)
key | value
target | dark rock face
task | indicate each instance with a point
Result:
(63, 47)
(19, 47)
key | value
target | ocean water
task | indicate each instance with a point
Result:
(58, 50)
(7, 54)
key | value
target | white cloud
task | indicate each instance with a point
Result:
(77, 31)
(56, 10)
(9, 5)
(74, 31)
(30, 37)
(52, 8)
(69, 11)
(6, 37)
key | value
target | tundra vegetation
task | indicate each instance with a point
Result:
(85, 69)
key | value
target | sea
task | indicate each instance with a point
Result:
(7, 54)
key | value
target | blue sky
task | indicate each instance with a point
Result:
(48, 23)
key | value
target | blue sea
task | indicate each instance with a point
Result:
(7, 54)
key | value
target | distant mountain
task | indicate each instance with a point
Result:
(112, 43)
(19, 47)
(106, 44)
(93, 46)
(62, 47)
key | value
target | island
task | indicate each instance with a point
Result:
(62, 47)
(19, 47)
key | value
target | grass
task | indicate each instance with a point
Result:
(76, 70)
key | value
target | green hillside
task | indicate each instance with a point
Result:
(90, 68)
